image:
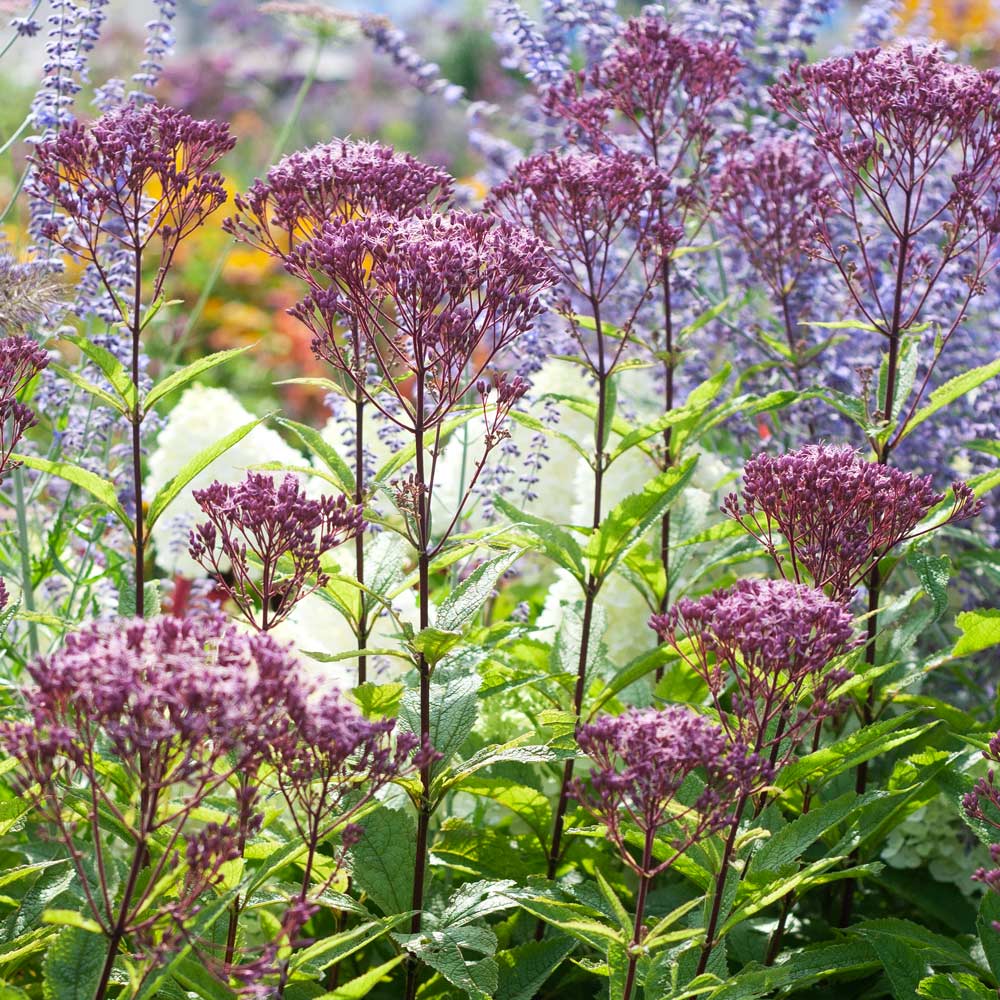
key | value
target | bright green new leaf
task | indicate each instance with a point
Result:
(102, 490)
(189, 373)
(980, 630)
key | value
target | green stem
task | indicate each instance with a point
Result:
(27, 586)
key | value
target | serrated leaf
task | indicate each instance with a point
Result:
(958, 987)
(150, 599)
(442, 951)
(524, 969)
(112, 369)
(476, 900)
(377, 701)
(453, 704)
(980, 630)
(952, 389)
(73, 964)
(384, 859)
(189, 373)
(323, 953)
(934, 573)
(91, 388)
(464, 602)
(630, 519)
(314, 441)
(989, 937)
(102, 490)
(556, 542)
(202, 460)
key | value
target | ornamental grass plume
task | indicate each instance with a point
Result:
(178, 707)
(333, 182)
(838, 514)
(764, 648)
(30, 291)
(21, 359)
(645, 760)
(913, 143)
(264, 542)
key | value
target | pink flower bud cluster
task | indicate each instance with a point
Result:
(982, 806)
(433, 298)
(138, 173)
(177, 708)
(644, 757)
(764, 648)
(837, 514)
(273, 538)
(768, 196)
(21, 359)
(891, 123)
(334, 182)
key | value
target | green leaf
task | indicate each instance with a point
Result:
(377, 701)
(70, 918)
(102, 490)
(528, 804)
(630, 519)
(453, 703)
(112, 369)
(622, 915)
(989, 937)
(790, 843)
(980, 630)
(193, 977)
(556, 542)
(473, 901)
(435, 643)
(843, 324)
(329, 950)
(465, 601)
(314, 441)
(73, 964)
(150, 599)
(442, 951)
(365, 983)
(934, 573)
(959, 987)
(202, 460)
(524, 969)
(188, 373)
(949, 392)
(384, 859)
(862, 745)
(91, 388)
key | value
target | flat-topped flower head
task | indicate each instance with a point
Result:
(837, 513)
(137, 174)
(433, 296)
(333, 182)
(598, 213)
(658, 79)
(913, 141)
(260, 523)
(768, 196)
(765, 649)
(644, 757)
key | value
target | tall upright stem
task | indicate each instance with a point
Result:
(359, 499)
(874, 581)
(668, 405)
(720, 887)
(27, 584)
(136, 420)
(591, 589)
(645, 881)
(423, 512)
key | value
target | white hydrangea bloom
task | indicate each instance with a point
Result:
(315, 626)
(201, 417)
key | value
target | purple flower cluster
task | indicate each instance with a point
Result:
(764, 648)
(432, 297)
(892, 124)
(21, 359)
(838, 514)
(982, 805)
(597, 213)
(329, 183)
(276, 528)
(643, 758)
(136, 174)
(184, 707)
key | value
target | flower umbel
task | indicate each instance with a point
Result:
(277, 528)
(764, 648)
(335, 182)
(643, 758)
(838, 514)
(21, 359)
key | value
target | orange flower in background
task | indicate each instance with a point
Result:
(959, 21)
